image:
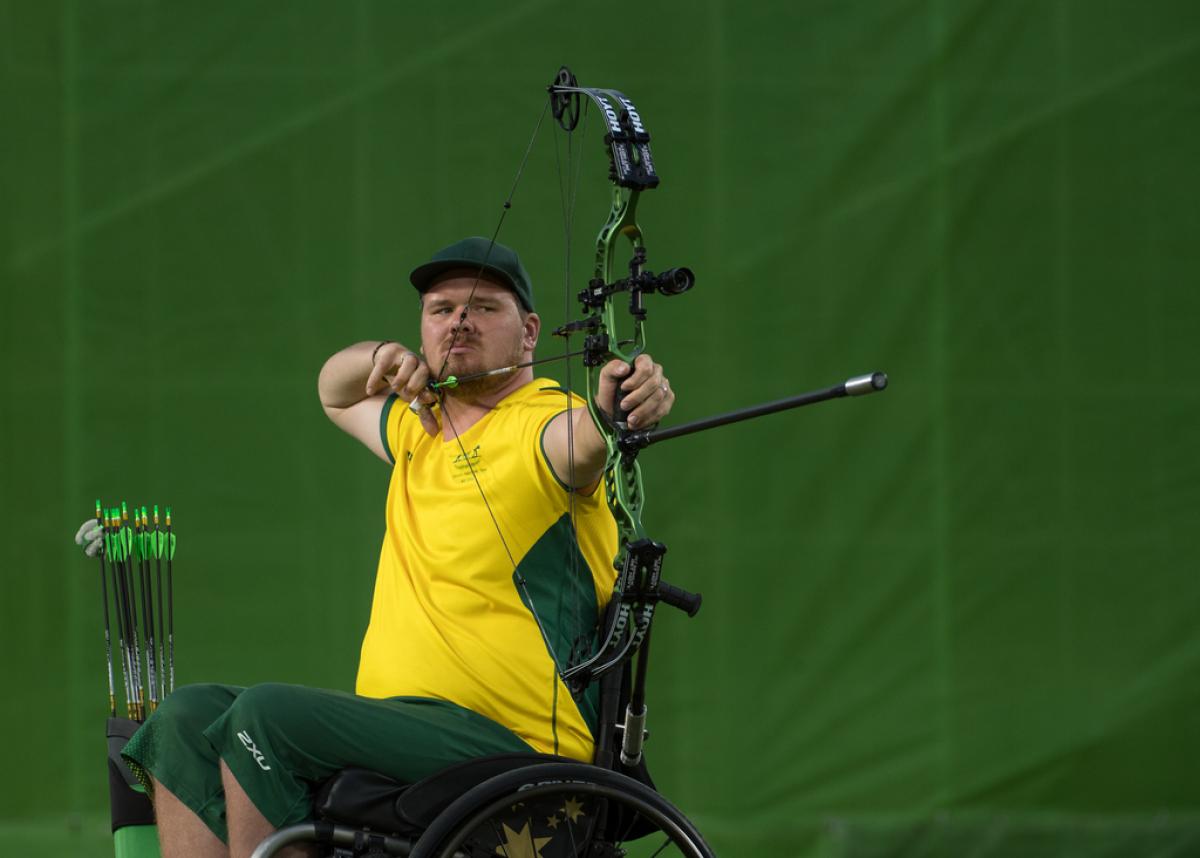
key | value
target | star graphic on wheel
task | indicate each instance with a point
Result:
(521, 844)
(573, 809)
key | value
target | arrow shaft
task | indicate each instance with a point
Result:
(455, 381)
(112, 693)
(162, 688)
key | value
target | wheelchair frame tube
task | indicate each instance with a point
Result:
(634, 732)
(325, 832)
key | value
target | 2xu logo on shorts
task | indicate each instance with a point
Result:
(254, 751)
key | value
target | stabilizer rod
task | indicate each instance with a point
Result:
(858, 386)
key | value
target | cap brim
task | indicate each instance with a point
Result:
(423, 276)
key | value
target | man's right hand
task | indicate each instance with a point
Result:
(354, 382)
(408, 376)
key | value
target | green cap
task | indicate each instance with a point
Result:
(473, 253)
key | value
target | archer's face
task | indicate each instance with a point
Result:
(493, 334)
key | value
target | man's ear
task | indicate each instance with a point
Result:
(533, 326)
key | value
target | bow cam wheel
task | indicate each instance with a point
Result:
(565, 105)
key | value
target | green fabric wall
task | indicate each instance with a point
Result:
(958, 618)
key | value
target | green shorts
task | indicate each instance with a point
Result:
(281, 741)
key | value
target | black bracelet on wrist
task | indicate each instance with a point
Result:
(375, 353)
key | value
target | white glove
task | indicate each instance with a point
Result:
(91, 537)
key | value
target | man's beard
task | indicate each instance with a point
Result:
(477, 388)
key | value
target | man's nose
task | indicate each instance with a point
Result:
(463, 319)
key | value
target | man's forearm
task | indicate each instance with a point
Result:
(343, 379)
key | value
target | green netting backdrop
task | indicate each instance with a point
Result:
(958, 618)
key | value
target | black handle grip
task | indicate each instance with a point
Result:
(679, 598)
(619, 415)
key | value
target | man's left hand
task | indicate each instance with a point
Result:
(645, 392)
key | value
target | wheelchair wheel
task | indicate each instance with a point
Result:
(561, 810)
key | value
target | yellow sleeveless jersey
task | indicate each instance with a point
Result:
(449, 619)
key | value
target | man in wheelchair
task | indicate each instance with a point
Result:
(495, 568)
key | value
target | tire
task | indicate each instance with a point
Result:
(561, 810)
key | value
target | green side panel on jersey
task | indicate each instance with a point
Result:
(559, 583)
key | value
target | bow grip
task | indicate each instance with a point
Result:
(620, 416)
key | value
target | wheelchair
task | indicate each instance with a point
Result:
(516, 805)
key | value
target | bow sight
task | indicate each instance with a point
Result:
(596, 346)
(673, 281)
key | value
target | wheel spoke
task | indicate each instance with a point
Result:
(659, 850)
(502, 849)
(571, 836)
(629, 829)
